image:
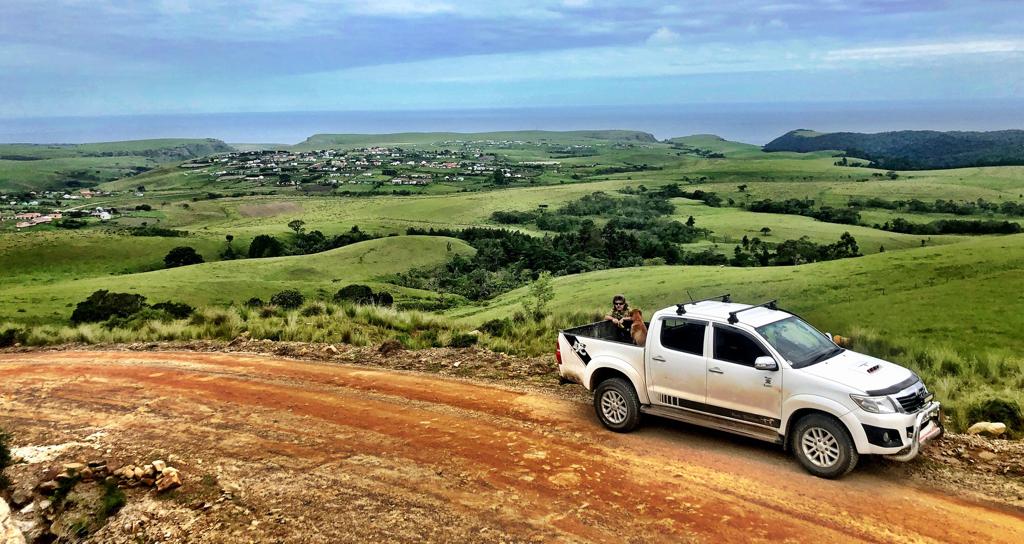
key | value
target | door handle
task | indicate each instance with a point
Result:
(658, 358)
(716, 370)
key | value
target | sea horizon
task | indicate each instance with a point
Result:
(754, 123)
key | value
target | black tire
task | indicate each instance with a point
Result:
(823, 446)
(617, 405)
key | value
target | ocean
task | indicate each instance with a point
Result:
(748, 122)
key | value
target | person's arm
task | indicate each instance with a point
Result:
(612, 319)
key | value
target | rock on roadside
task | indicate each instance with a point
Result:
(993, 429)
(9, 534)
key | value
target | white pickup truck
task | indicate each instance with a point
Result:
(756, 371)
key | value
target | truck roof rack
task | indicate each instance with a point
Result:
(771, 305)
(681, 308)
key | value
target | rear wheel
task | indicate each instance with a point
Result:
(824, 447)
(617, 405)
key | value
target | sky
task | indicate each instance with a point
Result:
(103, 57)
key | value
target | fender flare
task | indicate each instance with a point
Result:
(822, 404)
(602, 362)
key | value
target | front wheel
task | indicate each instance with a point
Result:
(617, 405)
(823, 446)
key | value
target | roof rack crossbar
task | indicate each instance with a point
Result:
(771, 305)
(681, 308)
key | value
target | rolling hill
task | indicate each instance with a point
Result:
(912, 149)
(226, 281)
(34, 167)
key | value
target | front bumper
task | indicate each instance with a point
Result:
(927, 427)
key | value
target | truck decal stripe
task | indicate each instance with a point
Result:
(578, 347)
(720, 411)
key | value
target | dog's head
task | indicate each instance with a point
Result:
(636, 315)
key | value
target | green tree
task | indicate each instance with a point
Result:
(265, 245)
(541, 292)
(182, 256)
(765, 230)
(297, 225)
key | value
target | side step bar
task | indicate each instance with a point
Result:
(714, 422)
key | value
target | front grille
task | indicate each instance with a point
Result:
(914, 401)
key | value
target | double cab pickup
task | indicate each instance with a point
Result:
(756, 371)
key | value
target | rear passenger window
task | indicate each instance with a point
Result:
(735, 347)
(682, 335)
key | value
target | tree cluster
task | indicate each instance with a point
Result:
(755, 252)
(805, 207)
(103, 305)
(952, 226)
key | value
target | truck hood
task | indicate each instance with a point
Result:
(862, 372)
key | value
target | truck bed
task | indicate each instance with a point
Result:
(601, 340)
(603, 330)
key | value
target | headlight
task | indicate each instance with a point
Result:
(875, 405)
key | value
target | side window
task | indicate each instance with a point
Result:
(682, 335)
(735, 347)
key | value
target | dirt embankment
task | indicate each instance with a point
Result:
(278, 450)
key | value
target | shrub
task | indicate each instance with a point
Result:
(254, 302)
(288, 299)
(462, 340)
(496, 327)
(11, 336)
(997, 409)
(313, 310)
(358, 294)
(182, 256)
(102, 305)
(177, 310)
(138, 320)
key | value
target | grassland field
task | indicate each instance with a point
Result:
(957, 297)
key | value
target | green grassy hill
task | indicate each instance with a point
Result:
(966, 296)
(85, 253)
(33, 167)
(236, 281)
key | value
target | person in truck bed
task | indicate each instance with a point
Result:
(620, 312)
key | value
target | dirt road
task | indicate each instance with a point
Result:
(320, 452)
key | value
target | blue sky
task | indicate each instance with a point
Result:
(98, 57)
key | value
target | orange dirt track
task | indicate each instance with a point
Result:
(344, 453)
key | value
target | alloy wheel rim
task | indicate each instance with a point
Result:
(820, 447)
(613, 407)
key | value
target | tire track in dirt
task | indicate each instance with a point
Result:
(525, 464)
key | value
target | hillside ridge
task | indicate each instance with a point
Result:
(912, 149)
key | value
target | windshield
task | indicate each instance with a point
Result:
(801, 344)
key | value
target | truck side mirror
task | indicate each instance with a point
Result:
(765, 362)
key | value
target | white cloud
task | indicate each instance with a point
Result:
(896, 52)
(400, 7)
(579, 63)
(662, 37)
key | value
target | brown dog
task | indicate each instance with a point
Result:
(638, 330)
